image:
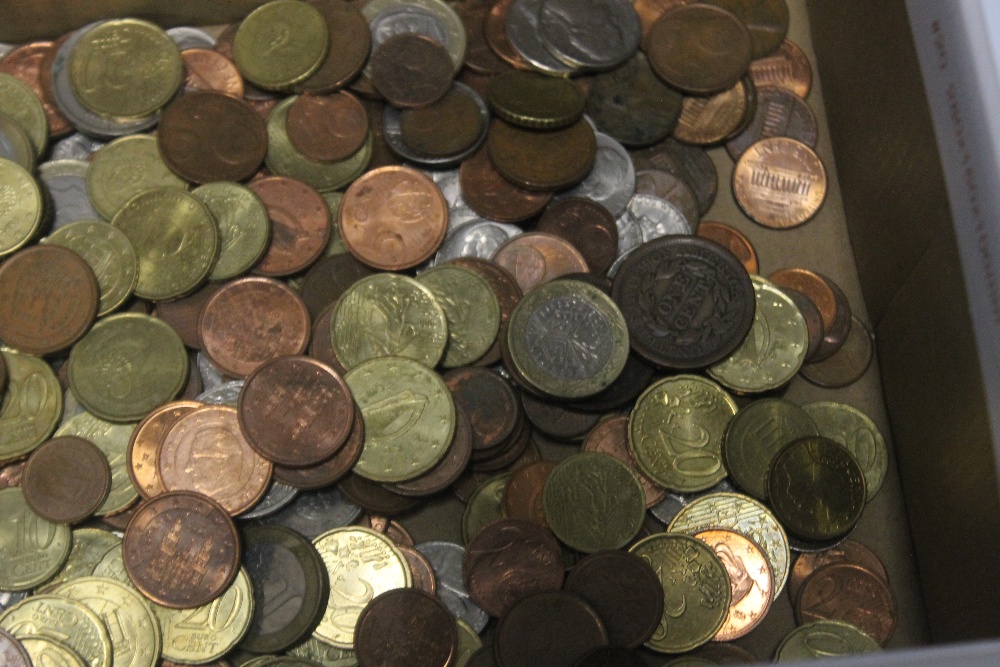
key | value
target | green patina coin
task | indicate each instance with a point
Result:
(824, 639)
(409, 418)
(325, 654)
(472, 311)
(468, 643)
(857, 432)
(756, 434)
(774, 348)
(593, 502)
(676, 429)
(127, 365)
(696, 590)
(44, 651)
(244, 227)
(32, 404)
(90, 546)
(15, 144)
(568, 339)
(32, 549)
(108, 252)
(388, 315)
(533, 100)
(175, 238)
(21, 207)
(20, 103)
(66, 621)
(485, 506)
(112, 439)
(280, 44)
(124, 168)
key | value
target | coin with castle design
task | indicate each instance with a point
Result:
(779, 182)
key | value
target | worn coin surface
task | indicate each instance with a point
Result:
(537, 258)
(490, 195)
(542, 161)
(66, 480)
(780, 113)
(847, 551)
(327, 128)
(471, 309)
(848, 364)
(850, 593)
(112, 439)
(596, 35)
(548, 628)
(300, 225)
(30, 381)
(125, 168)
(533, 100)
(632, 104)
(858, 433)
(411, 70)
(331, 470)
(406, 627)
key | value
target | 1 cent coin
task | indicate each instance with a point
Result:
(66, 480)
(333, 469)
(327, 128)
(492, 196)
(406, 627)
(142, 456)
(779, 182)
(847, 551)
(411, 70)
(205, 69)
(542, 160)
(300, 225)
(350, 44)
(537, 258)
(588, 226)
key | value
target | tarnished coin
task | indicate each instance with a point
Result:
(350, 44)
(300, 225)
(632, 104)
(787, 68)
(734, 241)
(522, 495)
(411, 70)
(780, 113)
(858, 433)
(533, 100)
(766, 21)
(847, 551)
(849, 593)
(205, 69)
(845, 366)
(705, 121)
(264, 51)
(548, 628)
(327, 128)
(112, 439)
(32, 549)
(779, 182)
(406, 628)
(610, 436)
(333, 469)
(492, 196)
(66, 480)
(750, 578)
(824, 639)
(589, 226)
(542, 160)
(598, 35)
(449, 127)
(690, 163)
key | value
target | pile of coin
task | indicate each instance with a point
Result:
(375, 255)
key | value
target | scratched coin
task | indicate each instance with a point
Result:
(406, 627)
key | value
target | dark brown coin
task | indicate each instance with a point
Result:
(688, 302)
(814, 321)
(766, 21)
(512, 452)
(691, 163)
(207, 136)
(787, 68)
(846, 365)
(449, 126)
(509, 560)
(251, 321)
(327, 128)
(374, 497)
(420, 569)
(182, 314)
(542, 160)
(405, 628)
(630, 383)
(66, 479)
(558, 421)
(588, 226)
(847, 592)
(181, 550)
(847, 551)
(488, 401)
(296, 411)
(814, 286)
(449, 469)
(651, 10)
(555, 629)
(382, 155)
(699, 49)
(780, 113)
(484, 657)
(350, 44)
(835, 335)
(321, 344)
(411, 70)
(536, 258)
(492, 196)
(205, 69)
(522, 497)
(333, 469)
(671, 187)
(610, 436)
(479, 57)
(534, 100)
(300, 225)
(328, 279)
(48, 299)
(624, 590)
(611, 656)
(3, 377)
(119, 520)
(472, 479)
(732, 240)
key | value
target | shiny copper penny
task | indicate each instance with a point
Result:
(750, 579)
(448, 127)
(553, 628)
(183, 314)
(495, 28)
(406, 627)
(536, 258)
(787, 68)
(420, 569)
(48, 299)
(66, 479)
(181, 550)
(732, 240)
(300, 225)
(488, 401)
(542, 160)
(779, 182)
(296, 411)
(588, 226)
(492, 196)
(327, 128)
(847, 551)
(143, 453)
(846, 592)
(350, 44)
(251, 321)
(393, 218)
(846, 365)
(610, 436)
(509, 560)
(27, 63)
(207, 136)
(411, 70)
(205, 69)
(12, 474)
(333, 469)
(522, 497)
(449, 469)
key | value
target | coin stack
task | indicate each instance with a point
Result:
(265, 296)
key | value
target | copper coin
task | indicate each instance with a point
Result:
(492, 196)
(522, 497)
(732, 240)
(509, 454)
(321, 344)
(610, 436)
(536, 258)
(650, 11)
(205, 69)
(542, 160)
(449, 469)
(488, 401)
(779, 183)
(328, 278)
(554, 628)
(119, 520)
(779, 113)
(27, 64)
(374, 497)
(66, 479)
(846, 365)
(420, 569)
(388, 527)
(181, 550)
(48, 299)
(472, 479)
(448, 127)
(766, 20)
(382, 155)
(143, 453)
(814, 322)
(847, 551)
(787, 68)
(405, 627)
(296, 411)
(411, 70)
(207, 136)
(479, 56)
(350, 44)
(814, 286)
(588, 226)
(327, 128)
(834, 337)
(300, 225)
(750, 578)
(333, 469)
(509, 560)
(624, 590)
(690, 163)
(847, 592)
(224, 41)
(251, 321)
(495, 28)
(393, 218)
(183, 314)
(558, 421)
(12, 474)
(705, 121)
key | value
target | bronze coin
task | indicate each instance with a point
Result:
(449, 126)
(536, 258)
(205, 69)
(48, 299)
(393, 218)
(845, 366)
(558, 421)
(300, 225)
(496, 36)
(779, 113)
(488, 401)
(333, 469)
(506, 289)
(542, 160)
(847, 592)
(553, 628)
(449, 469)
(814, 286)
(834, 337)
(420, 569)
(690, 163)
(472, 479)
(779, 183)
(181, 550)
(479, 56)
(732, 240)
(671, 187)
(787, 68)
(492, 196)
(321, 344)
(12, 474)
(522, 497)
(847, 551)
(27, 63)
(328, 278)
(766, 21)
(382, 155)
(143, 454)
(224, 41)
(610, 436)
(508, 455)
(705, 121)
(588, 226)
(405, 627)
(119, 520)
(327, 128)
(411, 70)
(251, 321)
(296, 411)
(350, 44)
(388, 527)
(183, 314)
(699, 49)
(207, 136)
(374, 497)
(66, 479)
(650, 11)
(814, 322)
(624, 590)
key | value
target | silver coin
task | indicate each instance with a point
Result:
(673, 188)
(461, 215)
(449, 18)
(186, 37)
(448, 182)
(76, 146)
(10, 598)
(66, 183)
(629, 233)
(5, 49)
(315, 512)
(407, 19)
(211, 377)
(523, 32)
(474, 239)
(446, 561)
(611, 182)
(224, 394)
(657, 217)
(71, 408)
(277, 498)
(590, 34)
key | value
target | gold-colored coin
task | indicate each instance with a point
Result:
(125, 68)
(32, 404)
(22, 211)
(485, 506)
(32, 549)
(20, 103)
(90, 546)
(109, 253)
(244, 228)
(124, 168)
(471, 308)
(409, 418)
(468, 643)
(50, 653)
(112, 566)
(63, 620)
(676, 429)
(361, 564)
(824, 639)
(17, 146)
(326, 655)
(280, 44)
(112, 439)
(858, 433)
